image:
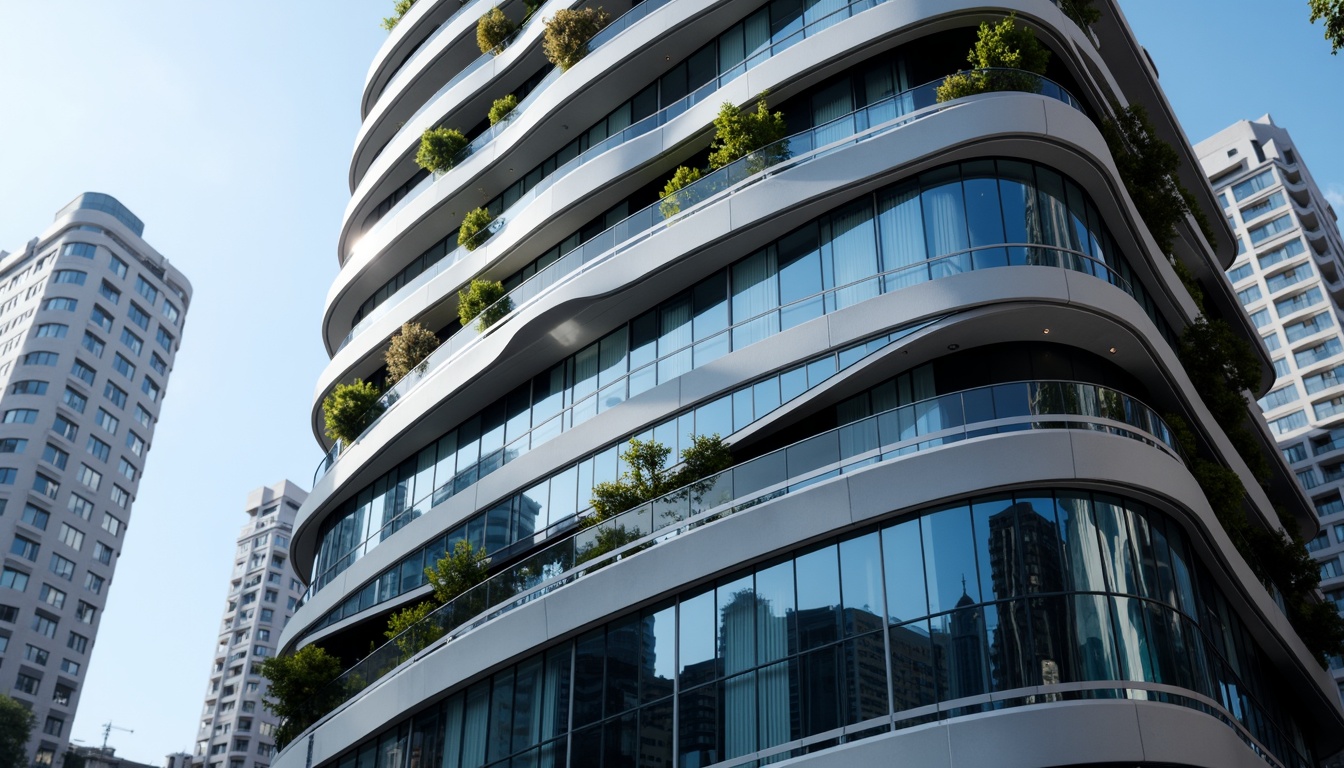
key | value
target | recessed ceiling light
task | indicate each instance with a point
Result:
(954, 346)
(1112, 350)
(1047, 330)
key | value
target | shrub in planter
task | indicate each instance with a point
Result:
(492, 31)
(410, 630)
(439, 148)
(671, 200)
(408, 350)
(1081, 11)
(350, 409)
(475, 228)
(568, 32)
(738, 134)
(648, 476)
(458, 571)
(300, 689)
(502, 108)
(398, 11)
(481, 302)
(1002, 46)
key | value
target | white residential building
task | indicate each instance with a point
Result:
(91, 318)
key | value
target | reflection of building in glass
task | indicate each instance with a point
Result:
(937, 337)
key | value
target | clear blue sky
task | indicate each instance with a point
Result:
(227, 127)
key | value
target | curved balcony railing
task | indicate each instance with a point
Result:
(883, 437)
(801, 148)
(393, 80)
(609, 32)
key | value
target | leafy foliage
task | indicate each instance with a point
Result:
(502, 108)
(399, 10)
(1222, 365)
(1148, 166)
(408, 349)
(482, 300)
(648, 476)
(300, 689)
(1332, 13)
(439, 148)
(458, 571)
(670, 205)
(1081, 11)
(16, 724)
(475, 228)
(567, 34)
(999, 47)
(410, 631)
(738, 133)
(492, 31)
(350, 409)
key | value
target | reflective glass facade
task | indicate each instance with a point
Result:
(976, 215)
(949, 612)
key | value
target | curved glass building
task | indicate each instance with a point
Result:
(937, 336)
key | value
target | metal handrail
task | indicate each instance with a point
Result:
(919, 426)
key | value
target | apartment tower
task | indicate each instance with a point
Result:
(936, 335)
(90, 321)
(1290, 278)
(237, 730)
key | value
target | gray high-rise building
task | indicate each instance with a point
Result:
(237, 731)
(90, 321)
(937, 335)
(1289, 275)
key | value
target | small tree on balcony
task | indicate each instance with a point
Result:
(492, 31)
(671, 201)
(1012, 54)
(409, 629)
(482, 302)
(565, 42)
(738, 133)
(350, 409)
(408, 349)
(439, 148)
(648, 476)
(502, 108)
(458, 571)
(398, 11)
(475, 228)
(1081, 11)
(301, 689)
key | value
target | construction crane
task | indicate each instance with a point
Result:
(107, 731)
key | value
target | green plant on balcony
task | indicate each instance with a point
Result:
(301, 689)
(1149, 168)
(648, 476)
(1012, 54)
(409, 629)
(493, 30)
(738, 133)
(502, 108)
(565, 41)
(458, 571)
(475, 228)
(1081, 11)
(483, 301)
(407, 350)
(399, 9)
(350, 409)
(439, 148)
(671, 202)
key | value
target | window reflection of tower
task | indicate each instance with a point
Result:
(1024, 559)
(967, 673)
